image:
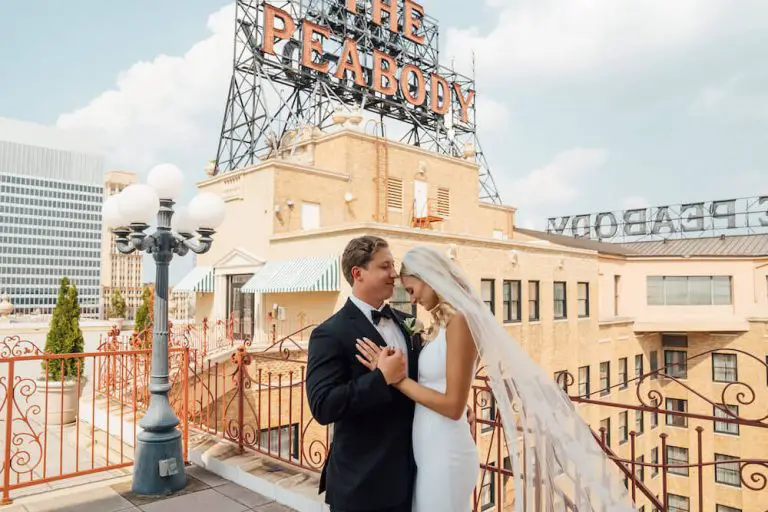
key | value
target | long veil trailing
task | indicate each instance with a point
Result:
(556, 461)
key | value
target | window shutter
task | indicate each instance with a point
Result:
(395, 193)
(443, 202)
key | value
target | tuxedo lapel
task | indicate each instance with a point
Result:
(362, 324)
(413, 343)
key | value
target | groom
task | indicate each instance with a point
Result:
(370, 465)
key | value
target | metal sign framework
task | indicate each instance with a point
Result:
(251, 129)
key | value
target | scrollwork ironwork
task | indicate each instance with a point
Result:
(760, 480)
(14, 346)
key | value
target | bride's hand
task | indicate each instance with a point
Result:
(369, 353)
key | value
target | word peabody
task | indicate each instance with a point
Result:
(720, 215)
(384, 76)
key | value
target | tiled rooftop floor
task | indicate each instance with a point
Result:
(205, 492)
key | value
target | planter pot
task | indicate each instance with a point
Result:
(61, 410)
(118, 322)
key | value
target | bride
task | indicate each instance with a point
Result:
(556, 462)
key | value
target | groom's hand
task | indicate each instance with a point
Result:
(392, 365)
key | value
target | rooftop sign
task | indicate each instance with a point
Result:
(299, 63)
(693, 219)
(388, 49)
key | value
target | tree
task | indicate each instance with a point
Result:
(117, 309)
(145, 317)
(64, 334)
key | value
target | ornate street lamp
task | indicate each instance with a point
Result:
(158, 467)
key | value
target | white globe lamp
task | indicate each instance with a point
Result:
(110, 213)
(138, 204)
(167, 180)
(208, 210)
(182, 221)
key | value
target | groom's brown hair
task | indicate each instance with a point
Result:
(358, 253)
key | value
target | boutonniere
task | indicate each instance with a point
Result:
(414, 326)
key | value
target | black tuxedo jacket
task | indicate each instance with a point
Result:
(370, 464)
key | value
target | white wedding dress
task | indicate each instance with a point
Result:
(447, 460)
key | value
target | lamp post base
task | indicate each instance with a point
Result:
(158, 469)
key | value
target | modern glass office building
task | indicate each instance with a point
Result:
(51, 191)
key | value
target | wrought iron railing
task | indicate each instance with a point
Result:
(256, 398)
(55, 410)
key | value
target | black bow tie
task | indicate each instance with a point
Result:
(386, 312)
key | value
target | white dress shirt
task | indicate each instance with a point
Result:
(388, 329)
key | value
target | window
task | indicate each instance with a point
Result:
(443, 202)
(511, 301)
(623, 432)
(689, 291)
(677, 456)
(639, 426)
(677, 405)
(605, 378)
(584, 382)
(676, 363)
(616, 284)
(488, 289)
(533, 300)
(281, 440)
(674, 340)
(310, 216)
(240, 306)
(678, 503)
(623, 373)
(395, 193)
(654, 460)
(638, 366)
(583, 290)
(654, 414)
(487, 410)
(723, 508)
(724, 368)
(727, 473)
(723, 427)
(561, 306)
(401, 301)
(654, 359)
(488, 491)
(605, 426)
(640, 468)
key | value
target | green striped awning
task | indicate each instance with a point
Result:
(319, 274)
(199, 280)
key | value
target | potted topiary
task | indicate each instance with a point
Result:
(64, 337)
(117, 309)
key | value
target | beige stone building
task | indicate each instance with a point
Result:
(123, 272)
(603, 313)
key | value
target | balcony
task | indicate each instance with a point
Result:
(244, 416)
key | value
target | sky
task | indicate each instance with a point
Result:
(583, 105)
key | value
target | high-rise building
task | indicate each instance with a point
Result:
(123, 272)
(51, 190)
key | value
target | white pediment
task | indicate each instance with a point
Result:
(237, 260)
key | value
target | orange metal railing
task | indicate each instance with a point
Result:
(256, 399)
(69, 415)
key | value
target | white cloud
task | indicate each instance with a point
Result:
(740, 97)
(560, 181)
(171, 105)
(552, 37)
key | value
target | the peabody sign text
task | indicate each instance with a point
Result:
(411, 81)
(664, 221)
